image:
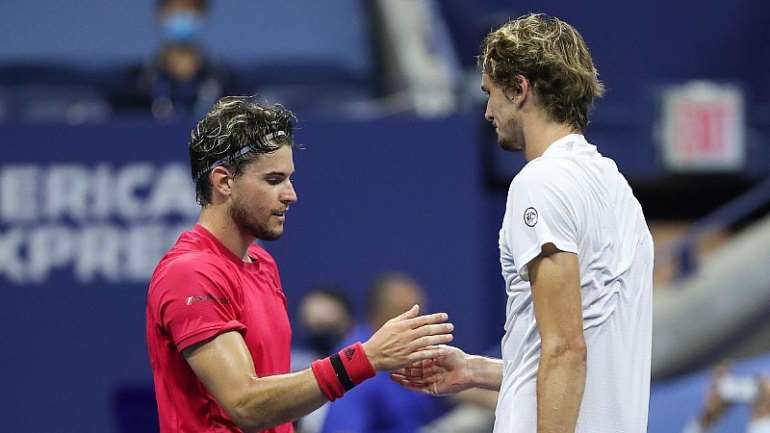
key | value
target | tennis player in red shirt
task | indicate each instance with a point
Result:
(218, 333)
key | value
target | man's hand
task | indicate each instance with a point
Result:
(406, 339)
(447, 373)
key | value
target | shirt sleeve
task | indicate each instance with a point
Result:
(198, 302)
(542, 209)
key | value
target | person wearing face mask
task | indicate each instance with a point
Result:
(180, 79)
(325, 316)
(381, 405)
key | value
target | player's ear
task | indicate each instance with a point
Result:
(518, 92)
(221, 181)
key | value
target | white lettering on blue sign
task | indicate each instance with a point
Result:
(101, 222)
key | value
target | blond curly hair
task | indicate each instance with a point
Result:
(555, 59)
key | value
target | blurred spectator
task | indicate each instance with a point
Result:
(380, 405)
(180, 78)
(714, 406)
(760, 412)
(718, 402)
(325, 317)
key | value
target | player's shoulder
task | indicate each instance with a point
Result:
(190, 252)
(189, 261)
(551, 172)
(180, 268)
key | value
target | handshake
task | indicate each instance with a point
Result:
(408, 339)
(413, 348)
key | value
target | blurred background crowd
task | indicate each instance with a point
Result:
(401, 189)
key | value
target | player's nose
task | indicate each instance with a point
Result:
(488, 114)
(289, 195)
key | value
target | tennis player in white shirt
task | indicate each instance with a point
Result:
(575, 251)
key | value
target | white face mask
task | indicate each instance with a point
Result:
(182, 27)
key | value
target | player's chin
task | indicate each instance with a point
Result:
(271, 233)
(277, 230)
(507, 144)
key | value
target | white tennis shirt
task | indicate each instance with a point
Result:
(576, 199)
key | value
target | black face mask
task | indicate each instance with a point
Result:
(323, 342)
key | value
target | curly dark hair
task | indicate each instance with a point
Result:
(553, 56)
(236, 130)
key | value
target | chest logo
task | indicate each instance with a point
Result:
(530, 216)
(203, 298)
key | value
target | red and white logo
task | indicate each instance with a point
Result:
(703, 127)
(203, 298)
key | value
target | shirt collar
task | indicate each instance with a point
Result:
(218, 246)
(566, 145)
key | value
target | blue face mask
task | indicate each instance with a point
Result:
(182, 27)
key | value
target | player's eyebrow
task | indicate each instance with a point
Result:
(278, 173)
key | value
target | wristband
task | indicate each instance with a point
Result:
(356, 363)
(327, 380)
(342, 371)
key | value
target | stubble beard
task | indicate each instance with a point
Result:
(247, 223)
(510, 136)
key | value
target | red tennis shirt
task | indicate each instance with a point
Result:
(200, 289)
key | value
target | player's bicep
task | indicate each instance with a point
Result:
(224, 365)
(555, 281)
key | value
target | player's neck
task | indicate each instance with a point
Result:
(541, 133)
(219, 224)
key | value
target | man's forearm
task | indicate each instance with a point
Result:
(487, 373)
(561, 381)
(273, 400)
